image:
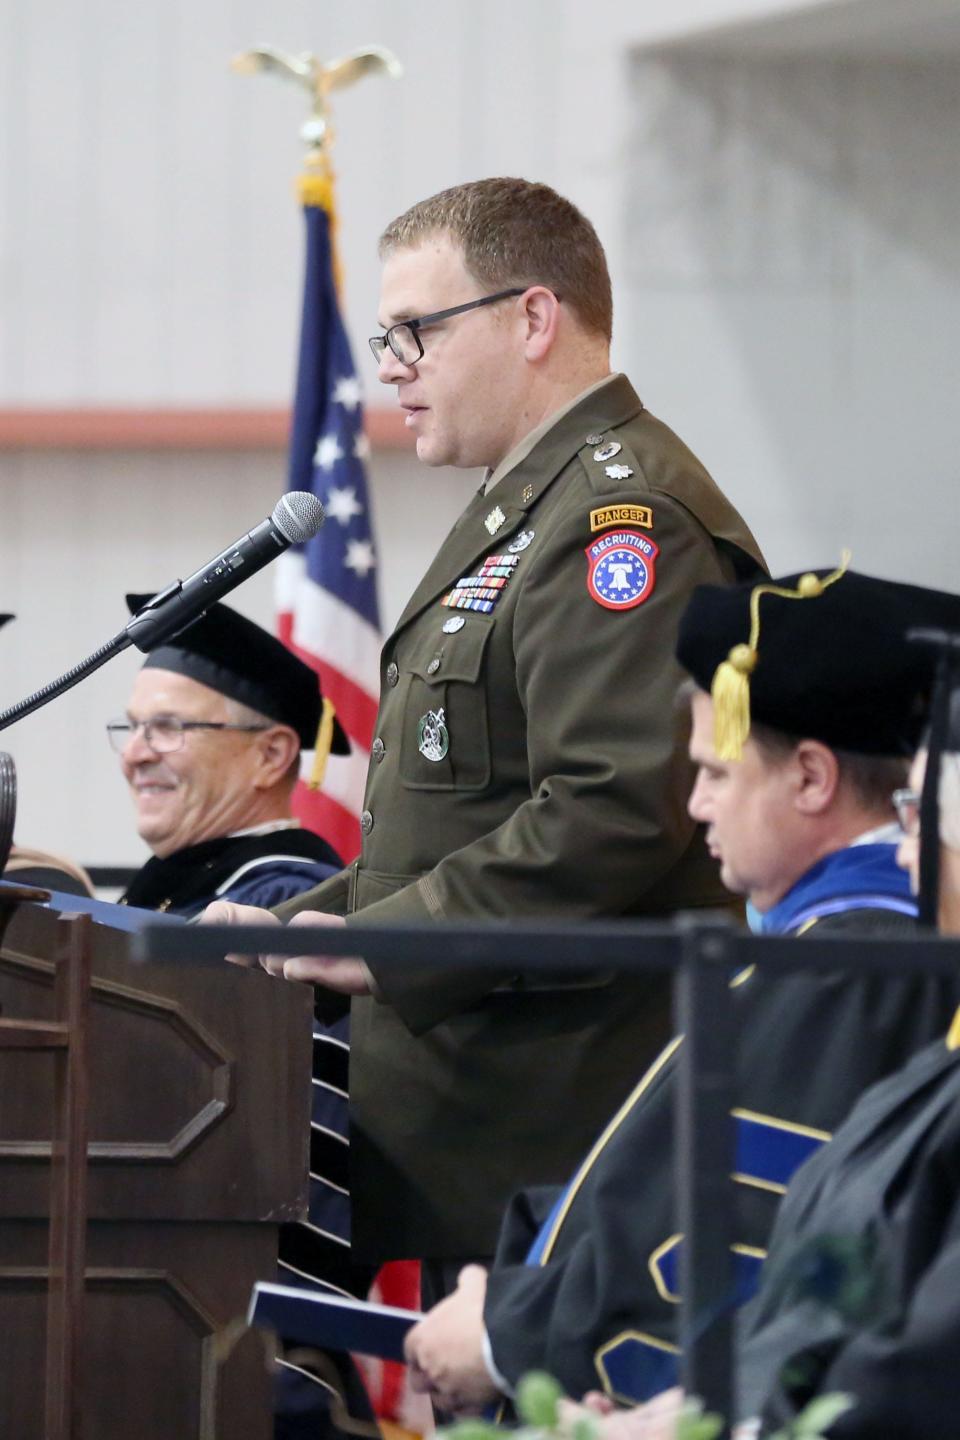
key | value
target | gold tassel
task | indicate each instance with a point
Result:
(953, 1034)
(730, 690)
(321, 750)
(730, 693)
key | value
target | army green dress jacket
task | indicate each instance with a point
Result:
(529, 761)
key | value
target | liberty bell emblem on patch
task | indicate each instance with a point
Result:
(433, 737)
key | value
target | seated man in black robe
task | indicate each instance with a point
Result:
(798, 811)
(860, 1296)
(210, 747)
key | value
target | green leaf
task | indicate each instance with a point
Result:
(538, 1398)
(584, 1429)
(471, 1430)
(819, 1414)
(693, 1425)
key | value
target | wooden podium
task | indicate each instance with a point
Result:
(198, 1122)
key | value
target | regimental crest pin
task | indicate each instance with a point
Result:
(521, 542)
(619, 472)
(495, 519)
(527, 494)
(433, 737)
(607, 451)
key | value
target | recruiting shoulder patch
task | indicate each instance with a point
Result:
(609, 515)
(621, 570)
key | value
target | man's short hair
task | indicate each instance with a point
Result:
(516, 232)
(869, 779)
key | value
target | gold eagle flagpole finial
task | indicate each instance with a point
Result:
(319, 79)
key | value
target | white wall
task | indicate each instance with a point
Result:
(792, 288)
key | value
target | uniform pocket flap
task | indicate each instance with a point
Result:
(457, 656)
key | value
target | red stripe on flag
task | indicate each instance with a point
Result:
(356, 708)
(396, 1283)
(326, 817)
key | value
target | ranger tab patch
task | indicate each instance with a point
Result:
(621, 571)
(610, 515)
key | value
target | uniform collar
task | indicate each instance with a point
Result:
(521, 451)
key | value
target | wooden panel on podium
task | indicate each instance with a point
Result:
(198, 1123)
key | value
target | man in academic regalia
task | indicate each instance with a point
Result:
(859, 1306)
(210, 747)
(813, 706)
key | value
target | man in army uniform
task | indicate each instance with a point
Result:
(529, 758)
(799, 812)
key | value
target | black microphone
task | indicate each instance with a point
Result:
(297, 517)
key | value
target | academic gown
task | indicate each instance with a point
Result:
(259, 870)
(584, 1283)
(862, 1289)
(266, 870)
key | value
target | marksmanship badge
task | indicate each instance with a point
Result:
(433, 737)
(621, 569)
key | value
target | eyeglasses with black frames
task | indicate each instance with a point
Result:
(907, 805)
(403, 339)
(165, 733)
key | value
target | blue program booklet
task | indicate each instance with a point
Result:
(330, 1321)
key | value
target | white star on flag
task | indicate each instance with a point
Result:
(342, 504)
(360, 557)
(328, 453)
(361, 447)
(346, 392)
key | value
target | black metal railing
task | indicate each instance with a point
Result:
(703, 951)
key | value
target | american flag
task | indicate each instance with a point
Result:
(328, 613)
(326, 589)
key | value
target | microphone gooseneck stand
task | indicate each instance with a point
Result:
(72, 677)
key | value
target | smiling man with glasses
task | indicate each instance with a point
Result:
(210, 748)
(528, 760)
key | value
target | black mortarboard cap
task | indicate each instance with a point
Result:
(239, 659)
(822, 655)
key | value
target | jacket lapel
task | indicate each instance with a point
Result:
(471, 539)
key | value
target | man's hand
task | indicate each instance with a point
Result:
(657, 1420)
(445, 1350)
(225, 912)
(345, 973)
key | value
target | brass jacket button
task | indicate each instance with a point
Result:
(393, 673)
(366, 822)
(378, 749)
